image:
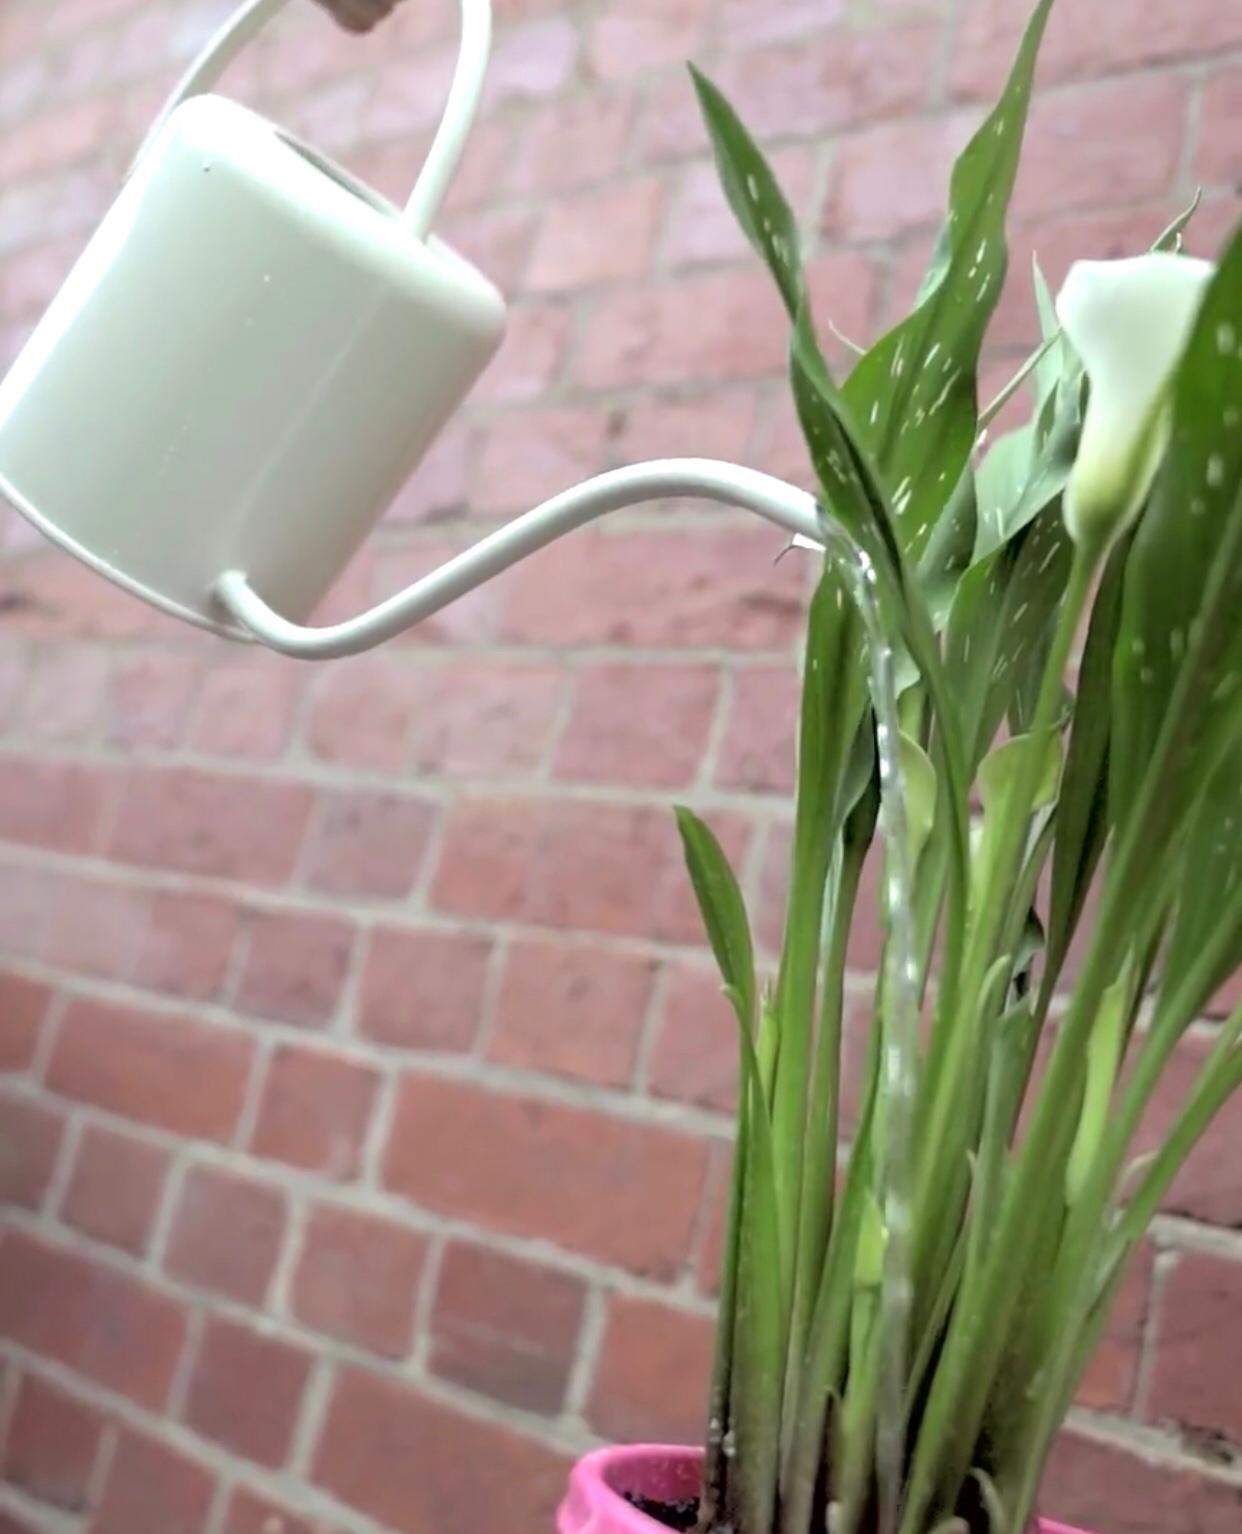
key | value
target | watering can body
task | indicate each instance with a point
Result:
(248, 360)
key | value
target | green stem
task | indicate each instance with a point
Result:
(981, 1322)
(819, 1167)
(989, 916)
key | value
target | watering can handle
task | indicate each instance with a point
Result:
(459, 113)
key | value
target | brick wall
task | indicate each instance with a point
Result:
(364, 1121)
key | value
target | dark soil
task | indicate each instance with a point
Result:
(681, 1516)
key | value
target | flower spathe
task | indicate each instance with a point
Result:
(1128, 321)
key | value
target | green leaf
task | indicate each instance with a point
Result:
(1170, 238)
(1187, 550)
(999, 483)
(760, 1320)
(919, 779)
(914, 392)
(1000, 769)
(1213, 874)
(1048, 370)
(1030, 476)
(950, 550)
(1104, 1049)
(1082, 819)
(753, 192)
(998, 628)
(724, 912)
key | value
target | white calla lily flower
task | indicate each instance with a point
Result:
(1129, 322)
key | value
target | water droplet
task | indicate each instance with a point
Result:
(1215, 471)
(1226, 338)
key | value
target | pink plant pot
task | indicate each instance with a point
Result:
(595, 1502)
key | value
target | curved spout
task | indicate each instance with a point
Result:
(685, 478)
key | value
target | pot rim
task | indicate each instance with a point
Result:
(595, 1503)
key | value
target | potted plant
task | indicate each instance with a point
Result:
(903, 1322)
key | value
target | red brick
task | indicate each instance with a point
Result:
(103, 1324)
(759, 745)
(249, 1513)
(246, 1390)
(497, 240)
(152, 695)
(1219, 159)
(27, 902)
(485, 166)
(200, 823)
(584, 867)
(314, 1111)
(484, 718)
(622, 870)
(54, 139)
(1109, 1382)
(623, 1192)
(246, 706)
(56, 805)
(163, 1070)
(30, 1136)
(653, 1373)
(531, 60)
(1112, 142)
(1207, 1187)
(48, 596)
(307, 55)
(573, 140)
(572, 1011)
(531, 455)
(707, 1268)
(437, 489)
(357, 1279)
(693, 589)
(641, 725)
(641, 335)
(634, 36)
(423, 990)
(1098, 1486)
(115, 1188)
(226, 1234)
(370, 843)
(695, 1059)
(52, 1444)
(842, 76)
(96, 927)
(486, 858)
(750, 23)
(187, 943)
(295, 966)
(894, 177)
(360, 713)
(505, 1328)
(1198, 1351)
(718, 424)
(1099, 40)
(23, 1006)
(602, 235)
(420, 1468)
(531, 355)
(65, 694)
(701, 226)
(153, 1489)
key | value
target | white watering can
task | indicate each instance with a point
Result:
(252, 355)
